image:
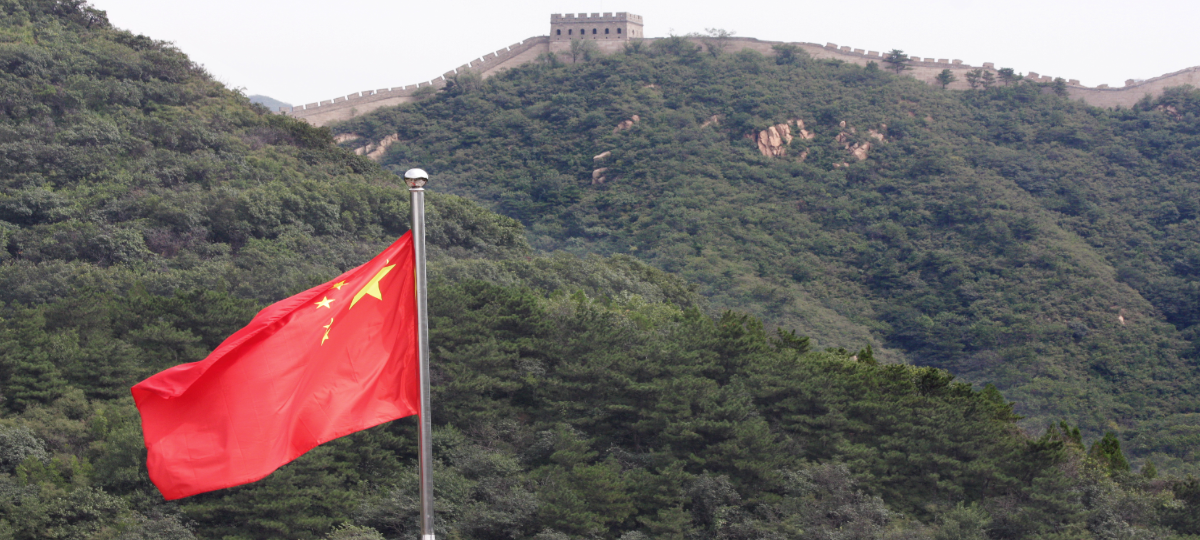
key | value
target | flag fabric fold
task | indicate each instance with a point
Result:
(338, 358)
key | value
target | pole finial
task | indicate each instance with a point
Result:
(415, 178)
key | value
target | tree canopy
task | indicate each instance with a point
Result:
(583, 388)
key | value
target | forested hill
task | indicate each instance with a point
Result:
(1004, 233)
(147, 212)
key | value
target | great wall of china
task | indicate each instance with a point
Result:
(924, 69)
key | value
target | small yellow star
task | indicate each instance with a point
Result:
(324, 303)
(326, 336)
(338, 285)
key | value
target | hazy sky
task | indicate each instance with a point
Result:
(301, 51)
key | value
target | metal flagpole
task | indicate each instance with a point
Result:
(416, 179)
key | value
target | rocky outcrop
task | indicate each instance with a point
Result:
(375, 151)
(603, 155)
(773, 141)
(343, 137)
(626, 124)
(714, 120)
(598, 176)
(861, 149)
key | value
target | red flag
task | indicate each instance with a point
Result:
(335, 359)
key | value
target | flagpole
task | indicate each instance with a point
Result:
(416, 179)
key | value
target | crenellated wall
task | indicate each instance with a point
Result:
(347, 107)
(922, 68)
(927, 69)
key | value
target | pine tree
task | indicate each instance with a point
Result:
(1107, 452)
(945, 78)
(897, 61)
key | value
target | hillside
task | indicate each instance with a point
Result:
(147, 212)
(1007, 234)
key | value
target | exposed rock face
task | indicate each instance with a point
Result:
(773, 141)
(803, 133)
(343, 137)
(375, 151)
(626, 124)
(598, 176)
(602, 156)
(860, 149)
(712, 120)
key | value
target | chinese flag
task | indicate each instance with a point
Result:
(335, 359)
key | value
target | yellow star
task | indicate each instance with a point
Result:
(338, 285)
(372, 287)
(324, 303)
(326, 336)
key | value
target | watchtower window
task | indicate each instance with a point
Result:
(593, 30)
(560, 32)
(605, 30)
(569, 32)
(618, 30)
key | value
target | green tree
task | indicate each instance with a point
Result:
(1149, 471)
(974, 78)
(583, 49)
(988, 79)
(1184, 518)
(1008, 76)
(964, 522)
(715, 40)
(464, 82)
(1060, 87)
(790, 341)
(896, 60)
(945, 78)
(1107, 453)
(549, 59)
(787, 54)
(867, 356)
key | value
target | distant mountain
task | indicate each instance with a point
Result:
(269, 102)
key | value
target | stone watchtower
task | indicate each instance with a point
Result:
(609, 26)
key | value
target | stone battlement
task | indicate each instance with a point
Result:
(596, 17)
(611, 30)
(926, 69)
(346, 107)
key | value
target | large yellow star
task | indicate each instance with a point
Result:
(372, 287)
(338, 285)
(324, 303)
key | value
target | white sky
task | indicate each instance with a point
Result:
(301, 51)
